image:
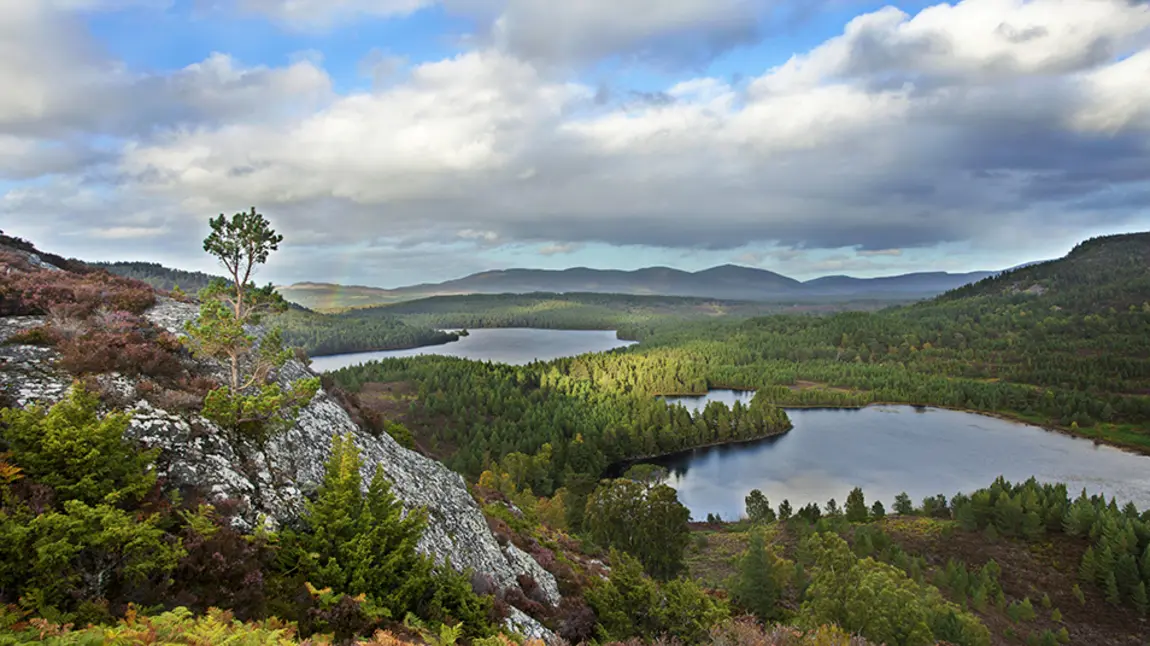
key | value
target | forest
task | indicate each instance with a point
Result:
(317, 334)
(93, 548)
(588, 311)
(1063, 344)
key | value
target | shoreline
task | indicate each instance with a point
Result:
(619, 466)
(385, 349)
(1136, 449)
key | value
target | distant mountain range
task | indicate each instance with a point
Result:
(726, 282)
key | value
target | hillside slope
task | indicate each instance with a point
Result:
(726, 282)
(1102, 272)
(119, 338)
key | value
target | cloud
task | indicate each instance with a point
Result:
(812, 155)
(59, 81)
(558, 249)
(586, 30)
(987, 122)
(323, 15)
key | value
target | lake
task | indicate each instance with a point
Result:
(889, 449)
(515, 346)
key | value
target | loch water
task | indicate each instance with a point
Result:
(890, 449)
(515, 346)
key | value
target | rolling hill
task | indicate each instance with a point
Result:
(725, 282)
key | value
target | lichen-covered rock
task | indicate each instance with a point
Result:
(27, 374)
(522, 623)
(272, 484)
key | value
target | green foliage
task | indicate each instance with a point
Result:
(877, 511)
(176, 627)
(631, 604)
(59, 559)
(321, 334)
(785, 510)
(1022, 610)
(759, 508)
(878, 600)
(635, 315)
(492, 411)
(1030, 510)
(260, 414)
(77, 453)
(219, 333)
(358, 543)
(856, 509)
(241, 243)
(762, 577)
(645, 521)
(902, 504)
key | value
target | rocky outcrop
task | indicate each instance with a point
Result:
(271, 485)
(26, 370)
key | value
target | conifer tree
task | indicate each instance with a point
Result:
(760, 579)
(1126, 573)
(1088, 569)
(361, 544)
(759, 508)
(1145, 566)
(856, 509)
(902, 505)
(1113, 596)
(785, 512)
(1138, 598)
(877, 511)
(833, 509)
(249, 406)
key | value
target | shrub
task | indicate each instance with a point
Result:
(80, 455)
(575, 620)
(39, 291)
(177, 627)
(222, 567)
(363, 544)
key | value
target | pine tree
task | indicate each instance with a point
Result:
(1105, 565)
(1078, 594)
(759, 508)
(1146, 564)
(760, 580)
(902, 504)
(1141, 603)
(1111, 586)
(785, 512)
(361, 544)
(966, 518)
(856, 509)
(877, 511)
(1088, 569)
(833, 508)
(1126, 573)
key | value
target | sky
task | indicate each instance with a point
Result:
(393, 142)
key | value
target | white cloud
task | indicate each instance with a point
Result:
(905, 131)
(1117, 97)
(558, 249)
(69, 86)
(973, 41)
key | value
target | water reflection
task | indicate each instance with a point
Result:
(515, 346)
(889, 449)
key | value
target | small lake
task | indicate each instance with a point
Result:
(889, 449)
(516, 346)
